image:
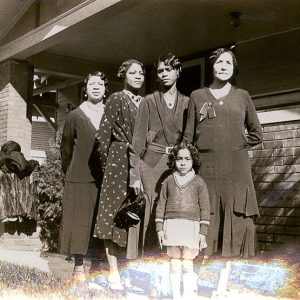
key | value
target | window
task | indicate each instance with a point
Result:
(192, 76)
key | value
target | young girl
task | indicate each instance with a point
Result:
(182, 217)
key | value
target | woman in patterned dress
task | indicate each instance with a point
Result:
(80, 192)
(115, 136)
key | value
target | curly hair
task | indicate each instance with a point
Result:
(102, 77)
(126, 65)
(217, 53)
(194, 154)
(170, 59)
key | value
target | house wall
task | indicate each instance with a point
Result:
(15, 102)
(276, 175)
(41, 135)
(269, 64)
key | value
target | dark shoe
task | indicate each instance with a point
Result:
(78, 273)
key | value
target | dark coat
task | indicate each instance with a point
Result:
(223, 142)
(156, 123)
(80, 191)
(76, 147)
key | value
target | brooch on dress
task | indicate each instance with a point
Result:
(207, 110)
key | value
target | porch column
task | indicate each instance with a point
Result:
(16, 84)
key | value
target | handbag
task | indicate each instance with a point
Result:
(131, 210)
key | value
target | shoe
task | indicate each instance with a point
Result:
(114, 283)
(95, 271)
(78, 273)
(132, 289)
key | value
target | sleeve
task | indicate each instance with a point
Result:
(139, 139)
(254, 130)
(161, 206)
(104, 133)
(203, 199)
(67, 142)
(191, 119)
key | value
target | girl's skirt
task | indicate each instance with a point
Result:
(181, 232)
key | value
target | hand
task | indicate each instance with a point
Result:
(137, 187)
(160, 235)
(202, 241)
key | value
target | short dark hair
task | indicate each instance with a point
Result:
(194, 154)
(217, 53)
(102, 77)
(126, 65)
(213, 58)
(169, 59)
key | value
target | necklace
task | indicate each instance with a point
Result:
(170, 101)
(221, 93)
(135, 98)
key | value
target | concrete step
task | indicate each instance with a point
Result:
(21, 241)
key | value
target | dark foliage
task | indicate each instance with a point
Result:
(49, 179)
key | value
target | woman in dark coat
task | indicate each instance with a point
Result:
(115, 137)
(81, 192)
(217, 119)
(159, 126)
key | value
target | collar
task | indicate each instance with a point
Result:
(183, 180)
(190, 173)
(95, 107)
(133, 97)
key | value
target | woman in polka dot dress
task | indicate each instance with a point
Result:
(115, 136)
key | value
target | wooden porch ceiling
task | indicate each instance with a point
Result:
(148, 28)
(102, 33)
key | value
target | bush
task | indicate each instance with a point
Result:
(49, 179)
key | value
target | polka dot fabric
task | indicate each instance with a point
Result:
(115, 134)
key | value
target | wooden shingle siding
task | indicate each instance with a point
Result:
(41, 135)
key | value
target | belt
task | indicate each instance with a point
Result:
(220, 150)
(158, 148)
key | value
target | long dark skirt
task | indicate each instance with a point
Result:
(78, 203)
(238, 232)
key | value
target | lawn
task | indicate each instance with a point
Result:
(20, 282)
(276, 277)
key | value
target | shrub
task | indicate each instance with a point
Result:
(49, 179)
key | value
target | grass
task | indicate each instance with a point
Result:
(29, 283)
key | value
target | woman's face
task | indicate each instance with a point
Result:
(95, 89)
(184, 161)
(166, 75)
(134, 77)
(223, 67)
